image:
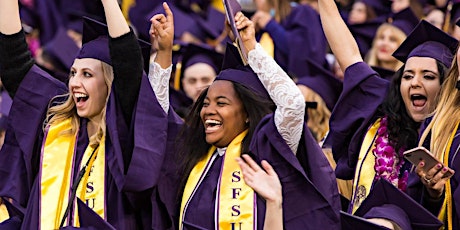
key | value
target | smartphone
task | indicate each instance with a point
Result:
(420, 153)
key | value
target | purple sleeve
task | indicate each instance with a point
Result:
(279, 36)
(363, 92)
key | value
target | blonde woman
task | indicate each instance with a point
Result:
(95, 155)
(436, 189)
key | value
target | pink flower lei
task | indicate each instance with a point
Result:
(387, 163)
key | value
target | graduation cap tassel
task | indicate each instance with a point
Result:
(447, 17)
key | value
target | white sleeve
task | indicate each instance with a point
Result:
(159, 80)
(290, 111)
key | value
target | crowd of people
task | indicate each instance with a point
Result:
(140, 114)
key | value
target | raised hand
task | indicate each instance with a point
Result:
(246, 30)
(435, 178)
(162, 29)
(264, 181)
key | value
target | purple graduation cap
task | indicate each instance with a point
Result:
(194, 54)
(364, 34)
(380, 7)
(234, 70)
(427, 41)
(44, 16)
(352, 222)
(89, 219)
(405, 20)
(95, 43)
(213, 24)
(323, 82)
(62, 49)
(388, 202)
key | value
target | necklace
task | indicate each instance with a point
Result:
(387, 162)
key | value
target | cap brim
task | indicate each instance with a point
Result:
(352, 222)
(385, 193)
(89, 219)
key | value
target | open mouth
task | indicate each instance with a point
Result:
(81, 97)
(211, 125)
(418, 100)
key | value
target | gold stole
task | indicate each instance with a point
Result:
(235, 200)
(57, 163)
(365, 173)
(267, 43)
(91, 189)
(446, 210)
(4, 215)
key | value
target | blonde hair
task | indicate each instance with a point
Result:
(371, 57)
(447, 114)
(318, 119)
(60, 112)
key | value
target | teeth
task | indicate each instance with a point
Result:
(80, 95)
(212, 122)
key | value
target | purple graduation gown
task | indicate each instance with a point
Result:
(298, 37)
(363, 92)
(310, 194)
(134, 152)
(417, 191)
(133, 155)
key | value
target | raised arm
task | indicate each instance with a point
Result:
(15, 58)
(162, 32)
(126, 57)
(338, 35)
(116, 22)
(10, 22)
(290, 104)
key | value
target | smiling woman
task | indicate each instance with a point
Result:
(233, 117)
(72, 153)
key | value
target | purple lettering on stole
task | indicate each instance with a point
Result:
(90, 203)
(235, 227)
(236, 176)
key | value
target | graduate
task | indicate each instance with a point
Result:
(93, 142)
(196, 70)
(434, 188)
(233, 117)
(374, 121)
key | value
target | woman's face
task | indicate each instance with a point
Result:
(197, 77)
(420, 85)
(88, 88)
(386, 43)
(436, 18)
(223, 114)
(357, 14)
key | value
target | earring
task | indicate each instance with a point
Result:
(247, 120)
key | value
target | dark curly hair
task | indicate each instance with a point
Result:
(402, 129)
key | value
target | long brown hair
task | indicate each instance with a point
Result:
(318, 119)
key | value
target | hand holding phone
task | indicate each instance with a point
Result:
(420, 153)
